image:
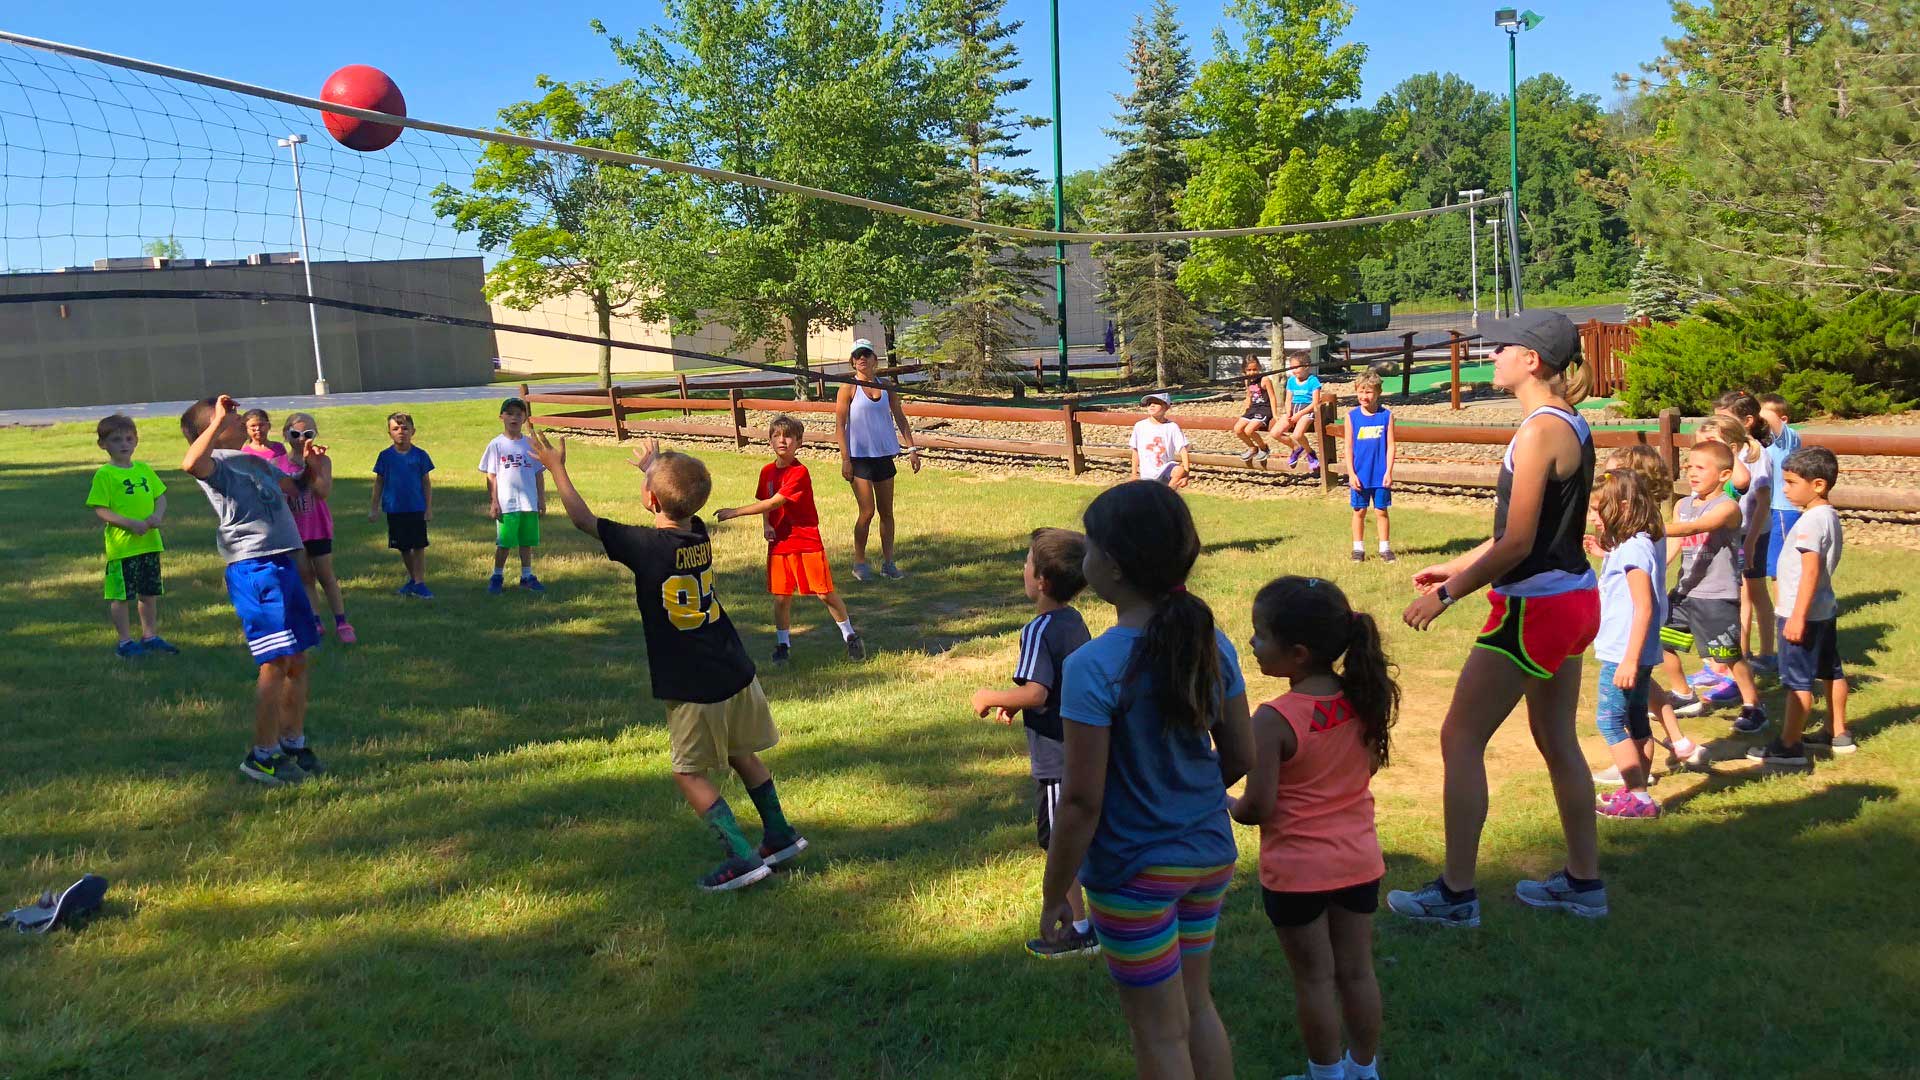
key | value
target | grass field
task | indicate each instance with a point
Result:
(497, 878)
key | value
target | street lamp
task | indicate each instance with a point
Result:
(1473, 246)
(1059, 207)
(292, 143)
(1513, 24)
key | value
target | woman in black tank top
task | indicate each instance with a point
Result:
(1545, 612)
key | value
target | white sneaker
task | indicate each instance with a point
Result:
(1248, 456)
(1261, 456)
(1610, 776)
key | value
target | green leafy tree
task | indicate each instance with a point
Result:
(166, 247)
(825, 93)
(567, 225)
(1160, 323)
(1443, 124)
(978, 329)
(1784, 147)
(1269, 110)
(1085, 189)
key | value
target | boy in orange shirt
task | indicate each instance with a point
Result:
(796, 559)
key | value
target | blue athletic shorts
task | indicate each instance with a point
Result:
(1378, 497)
(1816, 658)
(1783, 523)
(272, 604)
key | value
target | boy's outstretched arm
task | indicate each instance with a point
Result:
(552, 455)
(199, 460)
(764, 506)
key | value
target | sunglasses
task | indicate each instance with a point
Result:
(297, 435)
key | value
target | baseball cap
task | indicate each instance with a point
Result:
(1159, 397)
(514, 402)
(1548, 333)
(861, 344)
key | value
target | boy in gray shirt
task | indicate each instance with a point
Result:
(1809, 612)
(257, 538)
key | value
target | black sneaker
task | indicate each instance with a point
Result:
(304, 757)
(735, 873)
(856, 649)
(272, 771)
(1079, 943)
(775, 850)
(1386, 556)
(1776, 753)
(1751, 721)
(1359, 556)
(782, 653)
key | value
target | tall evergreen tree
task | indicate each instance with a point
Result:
(977, 331)
(1160, 323)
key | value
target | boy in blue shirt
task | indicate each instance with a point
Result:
(1370, 465)
(402, 489)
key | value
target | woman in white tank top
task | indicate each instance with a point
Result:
(866, 421)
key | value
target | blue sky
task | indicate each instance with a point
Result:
(458, 61)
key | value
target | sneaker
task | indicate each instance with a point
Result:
(1294, 458)
(1705, 677)
(1777, 753)
(1825, 740)
(531, 584)
(1359, 556)
(1610, 777)
(1387, 555)
(1558, 892)
(1726, 693)
(306, 759)
(782, 653)
(735, 873)
(1248, 458)
(344, 632)
(272, 771)
(1687, 705)
(1430, 904)
(127, 650)
(775, 850)
(1313, 463)
(862, 572)
(496, 585)
(158, 644)
(1752, 720)
(1260, 456)
(1625, 804)
(856, 649)
(1079, 943)
(888, 570)
(406, 588)
(421, 591)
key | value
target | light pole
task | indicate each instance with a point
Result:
(1059, 206)
(1495, 222)
(1506, 20)
(1473, 246)
(292, 143)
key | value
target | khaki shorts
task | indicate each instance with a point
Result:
(702, 737)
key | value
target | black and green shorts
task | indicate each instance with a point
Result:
(134, 576)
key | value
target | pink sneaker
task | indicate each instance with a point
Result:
(1625, 804)
(344, 631)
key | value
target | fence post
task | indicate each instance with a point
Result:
(739, 418)
(524, 391)
(1327, 410)
(1075, 464)
(1668, 432)
(682, 376)
(1455, 345)
(1406, 367)
(619, 414)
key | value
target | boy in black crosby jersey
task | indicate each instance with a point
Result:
(716, 713)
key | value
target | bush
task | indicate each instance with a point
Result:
(1850, 360)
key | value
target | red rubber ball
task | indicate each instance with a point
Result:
(363, 87)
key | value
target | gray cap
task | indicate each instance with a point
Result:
(1159, 397)
(1548, 333)
(862, 345)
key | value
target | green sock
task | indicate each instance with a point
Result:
(719, 818)
(768, 803)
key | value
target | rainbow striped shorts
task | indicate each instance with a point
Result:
(1146, 925)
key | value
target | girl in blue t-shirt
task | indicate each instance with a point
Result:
(1301, 414)
(1629, 532)
(1155, 729)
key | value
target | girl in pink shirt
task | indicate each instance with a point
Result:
(1316, 749)
(315, 520)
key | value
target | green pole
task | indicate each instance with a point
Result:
(1059, 207)
(1513, 163)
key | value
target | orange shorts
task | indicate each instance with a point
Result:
(802, 573)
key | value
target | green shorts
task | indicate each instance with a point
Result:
(134, 576)
(519, 529)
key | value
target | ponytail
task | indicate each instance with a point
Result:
(1181, 658)
(1314, 613)
(1366, 678)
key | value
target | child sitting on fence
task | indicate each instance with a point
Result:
(796, 557)
(1303, 411)
(1261, 394)
(1159, 446)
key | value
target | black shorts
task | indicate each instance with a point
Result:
(1046, 796)
(1290, 909)
(134, 577)
(874, 469)
(406, 532)
(1710, 627)
(1263, 414)
(317, 548)
(1756, 567)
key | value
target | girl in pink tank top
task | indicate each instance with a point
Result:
(1317, 748)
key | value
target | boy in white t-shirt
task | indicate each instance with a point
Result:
(1159, 446)
(516, 496)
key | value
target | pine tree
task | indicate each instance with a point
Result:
(1656, 292)
(993, 307)
(1158, 321)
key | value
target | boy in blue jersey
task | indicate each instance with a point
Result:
(1370, 465)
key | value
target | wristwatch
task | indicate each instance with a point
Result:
(1446, 598)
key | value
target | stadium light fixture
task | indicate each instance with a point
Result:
(1513, 23)
(292, 143)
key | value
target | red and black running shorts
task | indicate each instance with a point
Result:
(1539, 633)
